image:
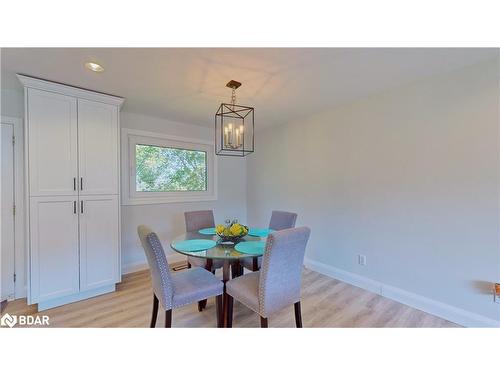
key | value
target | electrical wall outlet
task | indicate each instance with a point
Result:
(362, 260)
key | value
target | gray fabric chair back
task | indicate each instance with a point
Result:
(196, 220)
(281, 271)
(158, 265)
(282, 220)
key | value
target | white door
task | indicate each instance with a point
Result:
(99, 241)
(54, 247)
(7, 217)
(98, 147)
(52, 131)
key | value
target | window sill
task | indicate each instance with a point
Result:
(127, 201)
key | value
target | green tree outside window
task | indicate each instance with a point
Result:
(165, 169)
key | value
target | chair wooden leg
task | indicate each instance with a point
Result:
(229, 311)
(168, 319)
(202, 304)
(235, 270)
(219, 311)
(155, 312)
(255, 264)
(263, 322)
(298, 315)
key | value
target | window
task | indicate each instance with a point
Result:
(166, 169)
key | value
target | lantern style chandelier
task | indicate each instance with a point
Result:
(234, 127)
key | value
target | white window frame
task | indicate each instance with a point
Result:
(133, 137)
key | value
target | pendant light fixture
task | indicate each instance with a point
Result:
(234, 127)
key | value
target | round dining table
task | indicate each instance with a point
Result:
(225, 252)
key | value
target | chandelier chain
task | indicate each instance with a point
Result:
(233, 97)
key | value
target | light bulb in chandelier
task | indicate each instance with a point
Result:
(233, 136)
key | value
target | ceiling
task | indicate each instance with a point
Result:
(188, 84)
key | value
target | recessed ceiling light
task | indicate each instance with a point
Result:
(95, 67)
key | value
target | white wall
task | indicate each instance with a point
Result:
(408, 178)
(168, 219)
(12, 103)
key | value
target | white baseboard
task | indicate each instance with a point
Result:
(75, 297)
(453, 314)
(143, 265)
(134, 267)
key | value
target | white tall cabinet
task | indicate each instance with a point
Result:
(72, 171)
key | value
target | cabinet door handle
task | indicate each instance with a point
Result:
(74, 207)
(81, 183)
(74, 183)
(81, 207)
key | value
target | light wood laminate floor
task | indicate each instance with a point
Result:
(325, 303)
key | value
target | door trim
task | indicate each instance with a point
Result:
(20, 265)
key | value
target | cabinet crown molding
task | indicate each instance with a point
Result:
(41, 84)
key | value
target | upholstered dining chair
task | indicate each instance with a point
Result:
(277, 284)
(175, 290)
(196, 220)
(279, 220)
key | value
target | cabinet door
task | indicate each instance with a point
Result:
(54, 247)
(52, 134)
(99, 241)
(98, 147)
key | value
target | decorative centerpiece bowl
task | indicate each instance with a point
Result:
(231, 233)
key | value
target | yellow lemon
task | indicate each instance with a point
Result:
(220, 228)
(235, 229)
